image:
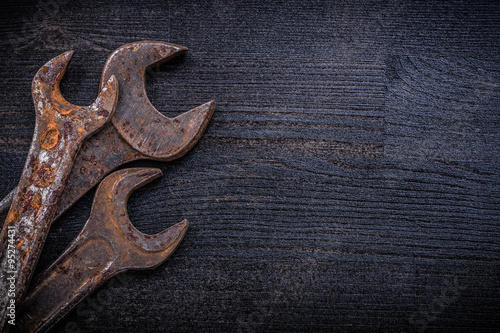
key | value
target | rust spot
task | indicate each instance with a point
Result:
(127, 77)
(63, 269)
(103, 113)
(132, 236)
(42, 175)
(13, 217)
(50, 138)
(68, 127)
(36, 201)
(19, 242)
(27, 199)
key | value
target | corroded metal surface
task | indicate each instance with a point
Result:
(59, 132)
(107, 245)
(138, 130)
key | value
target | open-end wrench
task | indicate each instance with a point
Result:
(60, 130)
(138, 130)
(107, 245)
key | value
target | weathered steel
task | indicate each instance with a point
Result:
(107, 245)
(138, 124)
(60, 130)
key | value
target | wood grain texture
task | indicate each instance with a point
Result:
(348, 181)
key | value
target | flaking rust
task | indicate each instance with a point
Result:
(60, 130)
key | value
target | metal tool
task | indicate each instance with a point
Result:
(7, 200)
(107, 149)
(107, 245)
(138, 130)
(60, 130)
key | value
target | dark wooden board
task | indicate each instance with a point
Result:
(349, 179)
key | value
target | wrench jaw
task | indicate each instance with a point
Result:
(136, 119)
(137, 58)
(142, 251)
(133, 249)
(54, 112)
(46, 81)
(189, 127)
(150, 251)
(177, 135)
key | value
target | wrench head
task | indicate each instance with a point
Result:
(109, 220)
(136, 119)
(56, 116)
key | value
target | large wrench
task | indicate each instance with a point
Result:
(107, 245)
(60, 130)
(138, 130)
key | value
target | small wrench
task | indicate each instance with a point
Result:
(138, 130)
(107, 245)
(60, 129)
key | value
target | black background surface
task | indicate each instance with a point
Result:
(348, 181)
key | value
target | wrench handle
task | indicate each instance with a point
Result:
(82, 268)
(100, 154)
(60, 129)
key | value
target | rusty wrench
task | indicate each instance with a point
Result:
(107, 245)
(138, 130)
(60, 130)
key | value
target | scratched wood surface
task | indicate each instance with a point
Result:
(348, 182)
